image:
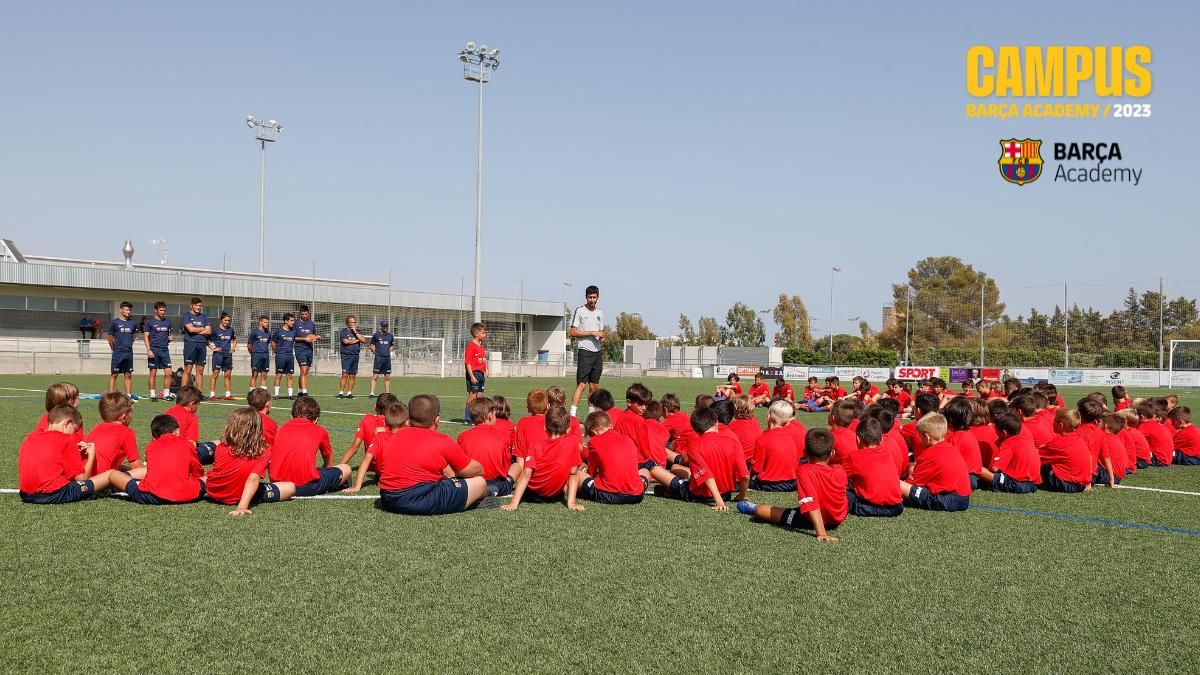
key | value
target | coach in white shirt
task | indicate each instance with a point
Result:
(587, 324)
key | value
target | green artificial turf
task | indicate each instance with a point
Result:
(337, 585)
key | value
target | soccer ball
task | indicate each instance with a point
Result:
(58, 372)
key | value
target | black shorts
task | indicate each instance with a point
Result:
(330, 479)
(589, 491)
(588, 366)
(480, 382)
(680, 489)
(74, 491)
(135, 492)
(448, 495)
(382, 365)
(195, 353)
(1001, 482)
(922, 498)
(772, 485)
(159, 359)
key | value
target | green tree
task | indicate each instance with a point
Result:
(795, 327)
(708, 332)
(687, 334)
(946, 295)
(742, 327)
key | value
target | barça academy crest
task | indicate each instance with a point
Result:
(1020, 161)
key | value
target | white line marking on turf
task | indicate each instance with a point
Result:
(339, 497)
(19, 389)
(1150, 489)
(9, 491)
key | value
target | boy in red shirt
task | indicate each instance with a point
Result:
(1090, 413)
(475, 363)
(1066, 462)
(241, 462)
(503, 412)
(1039, 430)
(602, 400)
(731, 388)
(1187, 437)
(489, 445)
(631, 424)
(1162, 448)
(260, 401)
(821, 490)
(678, 424)
(393, 418)
(760, 393)
(547, 468)
(116, 444)
(940, 480)
(841, 420)
(895, 391)
(425, 473)
(1016, 466)
(612, 475)
(784, 391)
(53, 467)
(557, 396)
(717, 463)
(60, 393)
(367, 426)
(659, 435)
(892, 441)
(924, 404)
(296, 444)
(744, 425)
(1135, 443)
(813, 397)
(872, 474)
(531, 430)
(187, 400)
(958, 414)
(775, 457)
(173, 472)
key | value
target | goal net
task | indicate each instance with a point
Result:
(1183, 369)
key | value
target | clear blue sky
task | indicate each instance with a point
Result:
(683, 156)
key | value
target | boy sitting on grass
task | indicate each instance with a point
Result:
(60, 393)
(631, 424)
(1016, 466)
(717, 466)
(240, 463)
(531, 430)
(940, 480)
(368, 425)
(53, 467)
(760, 393)
(260, 401)
(187, 400)
(1186, 443)
(116, 444)
(775, 458)
(546, 469)
(612, 475)
(297, 443)
(173, 471)
(744, 425)
(487, 444)
(820, 488)
(872, 474)
(394, 417)
(1066, 463)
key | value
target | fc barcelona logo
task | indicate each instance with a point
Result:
(1020, 161)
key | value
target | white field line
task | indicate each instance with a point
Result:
(1164, 490)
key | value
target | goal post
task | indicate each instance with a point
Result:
(1189, 359)
(419, 356)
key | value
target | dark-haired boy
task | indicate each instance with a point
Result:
(260, 400)
(306, 337)
(120, 341)
(842, 416)
(297, 443)
(1090, 413)
(1162, 447)
(612, 475)
(717, 463)
(187, 401)
(632, 425)
(367, 426)
(924, 403)
(1066, 462)
(488, 444)
(874, 491)
(173, 473)
(54, 468)
(393, 418)
(760, 393)
(258, 344)
(547, 467)
(222, 342)
(1186, 443)
(820, 489)
(1016, 466)
(940, 480)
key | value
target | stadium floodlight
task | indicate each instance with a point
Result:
(478, 64)
(267, 132)
(834, 270)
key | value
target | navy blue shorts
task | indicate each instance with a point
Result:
(1142, 464)
(206, 452)
(284, 364)
(222, 362)
(679, 490)
(267, 493)
(195, 353)
(1185, 460)
(1002, 483)
(799, 521)
(330, 479)
(122, 362)
(74, 491)
(1053, 483)
(350, 364)
(303, 357)
(382, 365)
(648, 465)
(865, 509)
(159, 359)
(435, 498)
(260, 362)
(589, 491)
(1101, 477)
(922, 498)
(139, 496)
(500, 487)
(480, 380)
(772, 485)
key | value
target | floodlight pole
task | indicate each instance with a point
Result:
(833, 271)
(267, 131)
(476, 63)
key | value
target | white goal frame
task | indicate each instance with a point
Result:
(441, 342)
(1171, 360)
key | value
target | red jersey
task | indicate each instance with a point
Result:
(901, 397)
(785, 392)
(988, 439)
(551, 463)
(1122, 404)
(941, 470)
(633, 426)
(1135, 445)
(658, 434)
(1115, 450)
(894, 443)
(47, 461)
(845, 444)
(679, 425)
(719, 457)
(269, 428)
(1187, 441)
(531, 431)
(913, 438)
(1161, 444)
(797, 431)
(822, 486)
(614, 414)
(747, 431)
(189, 425)
(114, 443)
(487, 445)
(836, 393)
(416, 455)
(811, 393)
(737, 388)
(509, 428)
(475, 357)
(1018, 459)
(172, 469)
(1094, 437)
(871, 394)
(774, 456)
(44, 424)
(757, 390)
(1069, 459)
(968, 448)
(872, 472)
(366, 428)
(1041, 429)
(295, 448)
(612, 459)
(229, 473)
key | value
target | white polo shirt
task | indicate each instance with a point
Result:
(588, 320)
